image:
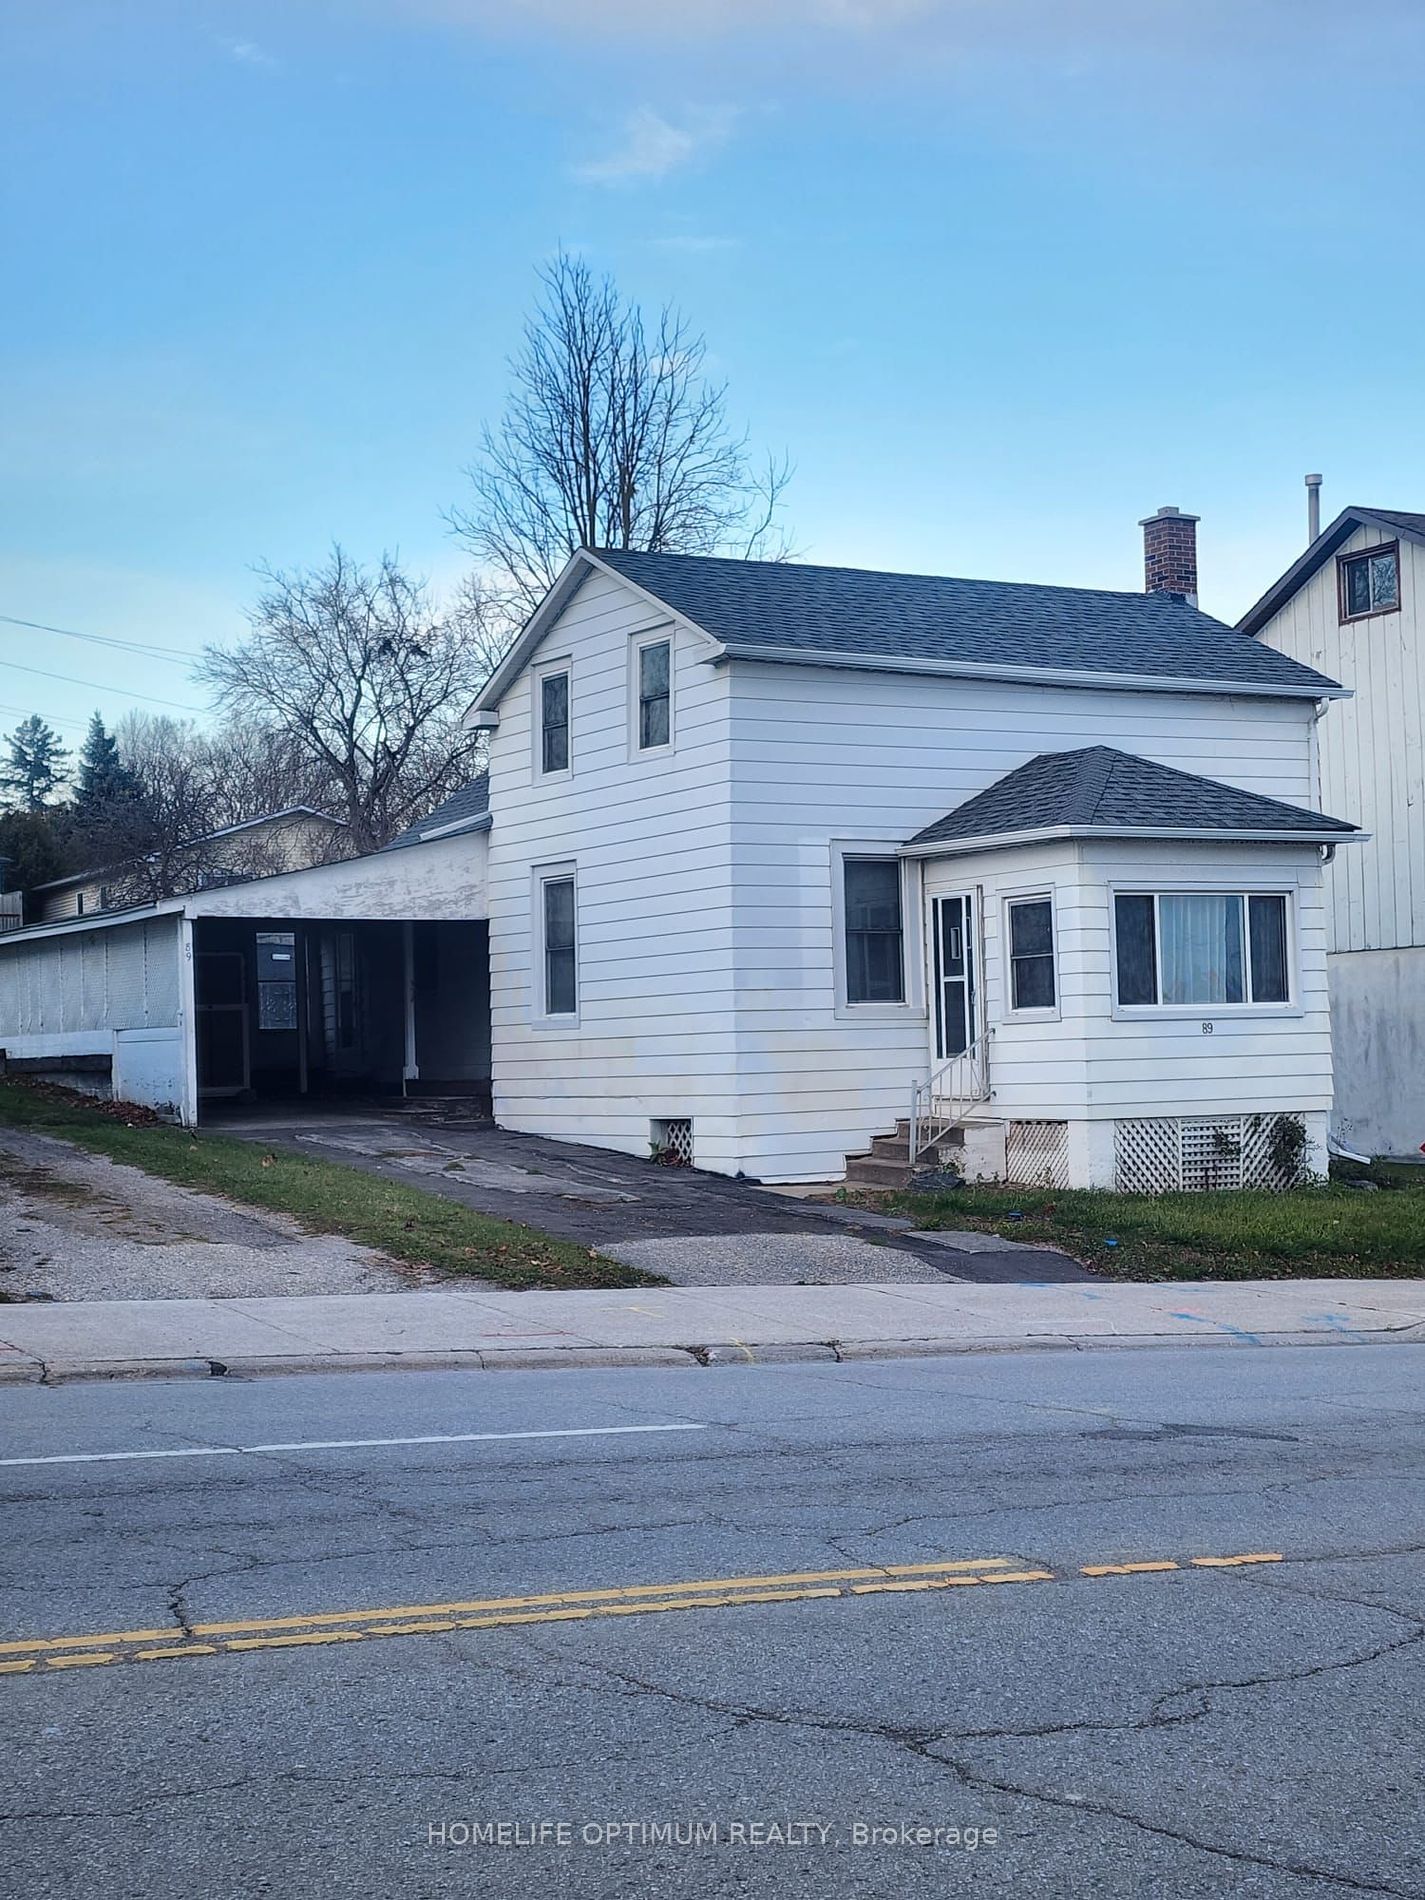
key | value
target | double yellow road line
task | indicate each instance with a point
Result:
(560, 1606)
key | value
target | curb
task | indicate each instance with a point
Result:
(663, 1358)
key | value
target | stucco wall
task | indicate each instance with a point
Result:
(1378, 1025)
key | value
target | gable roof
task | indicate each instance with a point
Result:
(1391, 521)
(837, 616)
(1102, 792)
(465, 810)
(292, 812)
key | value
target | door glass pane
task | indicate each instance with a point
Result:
(954, 988)
(1137, 957)
(1267, 923)
(1201, 948)
(874, 959)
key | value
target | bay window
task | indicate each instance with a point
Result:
(1201, 949)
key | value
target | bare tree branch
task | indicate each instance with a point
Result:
(366, 681)
(612, 438)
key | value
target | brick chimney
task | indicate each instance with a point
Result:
(1170, 553)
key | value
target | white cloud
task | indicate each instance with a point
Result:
(652, 146)
(247, 53)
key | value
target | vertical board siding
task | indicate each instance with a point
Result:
(649, 840)
(1371, 748)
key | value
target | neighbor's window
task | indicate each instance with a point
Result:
(1031, 953)
(654, 696)
(1370, 583)
(560, 973)
(874, 957)
(1201, 948)
(554, 722)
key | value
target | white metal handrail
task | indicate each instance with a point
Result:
(954, 1088)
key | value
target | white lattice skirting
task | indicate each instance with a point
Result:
(1036, 1154)
(1170, 1155)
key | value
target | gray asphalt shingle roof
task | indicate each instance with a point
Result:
(1101, 788)
(472, 801)
(789, 606)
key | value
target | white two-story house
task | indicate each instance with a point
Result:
(783, 858)
(1353, 606)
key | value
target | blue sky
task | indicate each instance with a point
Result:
(1000, 275)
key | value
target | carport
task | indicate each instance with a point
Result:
(369, 977)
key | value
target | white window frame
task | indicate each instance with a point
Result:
(661, 635)
(912, 967)
(1191, 1012)
(549, 669)
(1037, 895)
(541, 1016)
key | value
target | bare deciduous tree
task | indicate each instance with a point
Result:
(613, 437)
(367, 680)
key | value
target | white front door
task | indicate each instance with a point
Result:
(952, 952)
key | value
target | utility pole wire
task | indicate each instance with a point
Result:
(94, 686)
(142, 647)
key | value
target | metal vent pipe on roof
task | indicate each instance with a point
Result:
(1313, 508)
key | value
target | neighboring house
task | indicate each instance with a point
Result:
(777, 862)
(785, 856)
(1353, 605)
(288, 840)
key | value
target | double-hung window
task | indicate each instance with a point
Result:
(1031, 953)
(561, 975)
(1201, 948)
(554, 722)
(1370, 583)
(655, 695)
(875, 954)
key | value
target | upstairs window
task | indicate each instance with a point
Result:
(655, 703)
(1201, 949)
(1370, 583)
(875, 960)
(1031, 953)
(554, 722)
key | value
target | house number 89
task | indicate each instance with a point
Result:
(1207, 1029)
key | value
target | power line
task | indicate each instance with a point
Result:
(142, 647)
(94, 686)
(75, 725)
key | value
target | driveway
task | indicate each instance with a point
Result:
(76, 1226)
(694, 1229)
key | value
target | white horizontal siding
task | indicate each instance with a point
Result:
(819, 755)
(1371, 747)
(649, 839)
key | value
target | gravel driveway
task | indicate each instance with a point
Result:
(75, 1226)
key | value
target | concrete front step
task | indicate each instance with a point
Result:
(888, 1163)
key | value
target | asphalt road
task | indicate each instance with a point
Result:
(715, 1647)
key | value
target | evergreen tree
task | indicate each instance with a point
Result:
(103, 781)
(31, 851)
(36, 765)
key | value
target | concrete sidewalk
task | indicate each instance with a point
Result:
(689, 1326)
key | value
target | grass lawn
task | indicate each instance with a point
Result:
(1327, 1232)
(323, 1197)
